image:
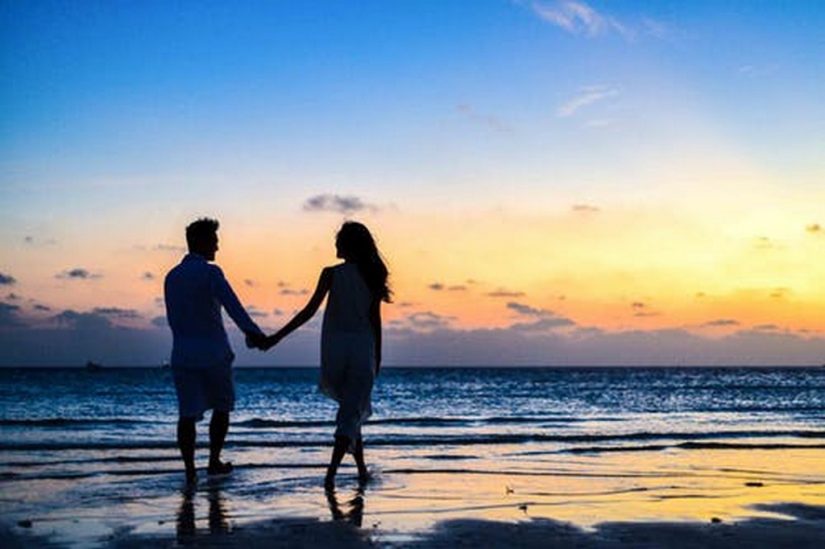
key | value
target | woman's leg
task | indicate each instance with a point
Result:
(358, 454)
(338, 451)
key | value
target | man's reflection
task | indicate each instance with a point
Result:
(353, 509)
(217, 519)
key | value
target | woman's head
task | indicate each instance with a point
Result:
(355, 244)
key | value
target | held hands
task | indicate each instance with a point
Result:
(261, 342)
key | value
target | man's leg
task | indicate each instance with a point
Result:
(218, 427)
(186, 443)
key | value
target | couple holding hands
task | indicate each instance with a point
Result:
(195, 290)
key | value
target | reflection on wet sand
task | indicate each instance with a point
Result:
(217, 518)
(353, 511)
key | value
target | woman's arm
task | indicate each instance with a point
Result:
(375, 321)
(324, 284)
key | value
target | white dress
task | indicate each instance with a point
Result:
(348, 349)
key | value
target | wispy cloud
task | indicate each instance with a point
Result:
(487, 120)
(116, 312)
(78, 273)
(7, 279)
(338, 204)
(501, 292)
(169, 248)
(814, 228)
(436, 286)
(585, 208)
(580, 19)
(720, 322)
(249, 282)
(147, 276)
(586, 96)
(290, 291)
(544, 318)
(256, 312)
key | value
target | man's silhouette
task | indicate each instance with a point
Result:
(202, 359)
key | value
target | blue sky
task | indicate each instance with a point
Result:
(613, 152)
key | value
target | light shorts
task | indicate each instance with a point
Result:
(201, 389)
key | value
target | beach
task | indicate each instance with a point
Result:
(565, 467)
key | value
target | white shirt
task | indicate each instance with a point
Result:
(194, 291)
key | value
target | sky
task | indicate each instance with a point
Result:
(550, 182)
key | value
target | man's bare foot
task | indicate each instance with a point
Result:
(219, 469)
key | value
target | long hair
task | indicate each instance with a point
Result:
(355, 244)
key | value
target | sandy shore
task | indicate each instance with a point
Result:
(801, 526)
(716, 498)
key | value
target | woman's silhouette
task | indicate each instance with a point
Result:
(350, 337)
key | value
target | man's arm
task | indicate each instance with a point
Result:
(226, 297)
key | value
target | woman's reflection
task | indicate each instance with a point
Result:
(353, 509)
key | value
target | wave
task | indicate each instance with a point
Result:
(435, 440)
(70, 422)
(425, 421)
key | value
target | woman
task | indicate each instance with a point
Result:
(350, 337)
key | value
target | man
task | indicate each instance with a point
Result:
(202, 359)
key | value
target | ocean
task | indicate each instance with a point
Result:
(97, 448)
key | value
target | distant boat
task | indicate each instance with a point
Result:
(93, 366)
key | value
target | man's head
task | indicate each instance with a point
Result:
(202, 237)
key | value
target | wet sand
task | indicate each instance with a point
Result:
(500, 497)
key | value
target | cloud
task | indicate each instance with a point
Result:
(32, 241)
(116, 312)
(249, 282)
(578, 18)
(814, 228)
(40, 307)
(487, 120)
(720, 322)
(646, 314)
(586, 96)
(527, 310)
(290, 291)
(338, 204)
(7, 279)
(585, 208)
(10, 316)
(169, 248)
(255, 312)
(545, 319)
(766, 327)
(501, 292)
(13, 297)
(406, 304)
(543, 324)
(160, 321)
(278, 312)
(83, 321)
(779, 293)
(637, 305)
(424, 321)
(437, 286)
(77, 274)
(147, 276)
(457, 288)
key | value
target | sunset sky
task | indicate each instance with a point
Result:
(550, 182)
